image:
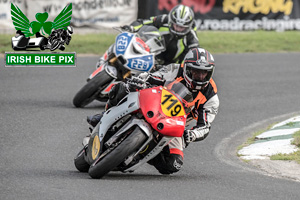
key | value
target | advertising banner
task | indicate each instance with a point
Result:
(5, 17)
(236, 15)
(104, 13)
(91, 13)
(87, 13)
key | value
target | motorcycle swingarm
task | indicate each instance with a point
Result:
(156, 150)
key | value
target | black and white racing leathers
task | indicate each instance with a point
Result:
(176, 47)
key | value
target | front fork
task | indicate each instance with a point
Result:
(111, 69)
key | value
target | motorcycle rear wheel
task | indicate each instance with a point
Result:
(87, 93)
(80, 162)
(130, 144)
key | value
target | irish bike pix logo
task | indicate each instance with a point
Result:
(32, 37)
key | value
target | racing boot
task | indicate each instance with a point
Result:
(95, 119)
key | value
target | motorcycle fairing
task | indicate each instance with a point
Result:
(108, 88)
(135, 63)
(156, 150)
(35, 42)
(109, 118)
(144, 126)
(115, 113)
(21, 42)
(122, 42)
(150, 104)
(99, 69)
(143, 63)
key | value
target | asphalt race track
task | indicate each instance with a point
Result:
(41, 132)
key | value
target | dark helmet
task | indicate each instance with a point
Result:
(199, 66)
(181, 20)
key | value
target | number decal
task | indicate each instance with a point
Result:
(176, 110)
(139, 64)
(168, 97)
(122, 43)
(174, 101)
(170, 105)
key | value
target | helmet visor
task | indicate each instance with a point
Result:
(198, 75)
(179, 29)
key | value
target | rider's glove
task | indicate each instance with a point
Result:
(136, 83)
(127, 28)
(155, 80)
(196, 134)
(189, 136)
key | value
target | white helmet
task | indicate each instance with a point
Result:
(181, 20)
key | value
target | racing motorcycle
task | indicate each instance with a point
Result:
(131, 54)
(59, 37)
(135, 131)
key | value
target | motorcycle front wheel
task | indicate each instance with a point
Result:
(55, 44)
(128, 146)
(80, 162)
(88, 92)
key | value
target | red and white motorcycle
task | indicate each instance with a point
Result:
(135, 131)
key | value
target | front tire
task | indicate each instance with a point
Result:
(80, 162)
(54, 45)
(87, 92)
(131, 144)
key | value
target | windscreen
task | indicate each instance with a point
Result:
(151, 36)
(181, 91)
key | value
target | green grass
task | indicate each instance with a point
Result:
(293, 156)
(91, 43)
(214, 41)
(257, 41)
(296, 141)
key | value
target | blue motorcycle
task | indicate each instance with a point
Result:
(131, 54)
